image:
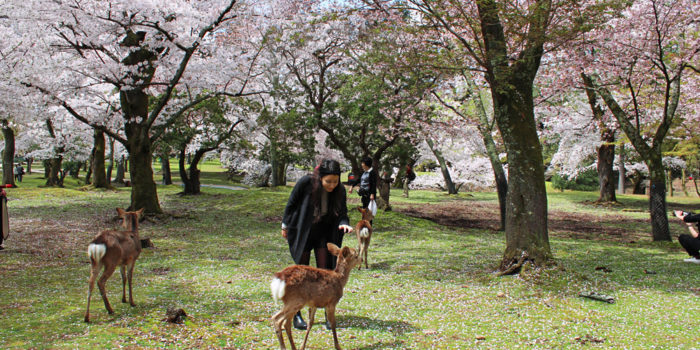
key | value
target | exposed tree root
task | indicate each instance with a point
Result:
(514, 267)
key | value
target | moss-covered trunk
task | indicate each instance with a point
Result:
(657, 199)
(526, 199)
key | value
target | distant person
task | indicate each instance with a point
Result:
(19, 171)
(316, 214)
(691, 242)
(367, 184)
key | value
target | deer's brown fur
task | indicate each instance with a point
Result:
(300, 285)
(112, 248)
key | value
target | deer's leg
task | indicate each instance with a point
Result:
(330, 314)
(122, 271)
(106, 274)
(312, 313)
(129, 275)
(288, 327)
(277, 325)
(366, 249)
(359, 249)
(94, 271)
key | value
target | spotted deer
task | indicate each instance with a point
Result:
(112, 248)
(300, 285)
(363, 229)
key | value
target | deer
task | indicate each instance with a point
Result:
(300, 285)
(363, 229)
(112, 248)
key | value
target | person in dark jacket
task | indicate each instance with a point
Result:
(368, 183)
(316, 214)
(691, 242)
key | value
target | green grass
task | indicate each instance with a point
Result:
(429, 286)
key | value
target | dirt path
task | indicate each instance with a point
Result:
(481, 215)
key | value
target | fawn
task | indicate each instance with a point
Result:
(112, 248)
(363, 229)
(301, 285)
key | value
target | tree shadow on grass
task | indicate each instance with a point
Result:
(382, 345)
(394, 327)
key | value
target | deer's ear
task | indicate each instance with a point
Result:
(359, 209)
(345, 252)
(140, 212)
(121, 212)
(333, 249)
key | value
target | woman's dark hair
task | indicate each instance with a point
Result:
(367, 161)
(326, 167)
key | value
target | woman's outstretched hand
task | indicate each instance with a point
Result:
(345, 228)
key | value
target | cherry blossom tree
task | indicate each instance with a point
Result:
(505, 41)
(637, 63)
(143, 51)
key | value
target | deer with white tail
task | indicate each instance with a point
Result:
(301, 285)
(363, 229)
(112, 248)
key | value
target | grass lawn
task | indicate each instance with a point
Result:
(429, 285)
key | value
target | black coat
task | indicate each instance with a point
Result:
(299, 216)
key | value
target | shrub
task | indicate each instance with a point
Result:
(584, 181)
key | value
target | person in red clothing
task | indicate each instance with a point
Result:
(691, 242)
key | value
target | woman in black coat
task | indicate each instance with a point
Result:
(316, 214)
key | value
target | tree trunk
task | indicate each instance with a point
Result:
(134, 103)
(606, 159)
(657, 199)
(669, 183)
(384, 191)
(111, 161)
(638, 186)
(119, 177)
(526, 200)
(511, 83)
(606, 151)
(278, 169)
(54, 164)
(144, 192)
(89, 169)
(683, 182)
(98, 161)
(451, 189)
(47, 168)
(55, 178)
(279, 174)
(30, 161)
(165, 167)
(8, 155)
(190, 186)
(621, 171)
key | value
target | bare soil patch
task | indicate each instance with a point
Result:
(485, 216)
